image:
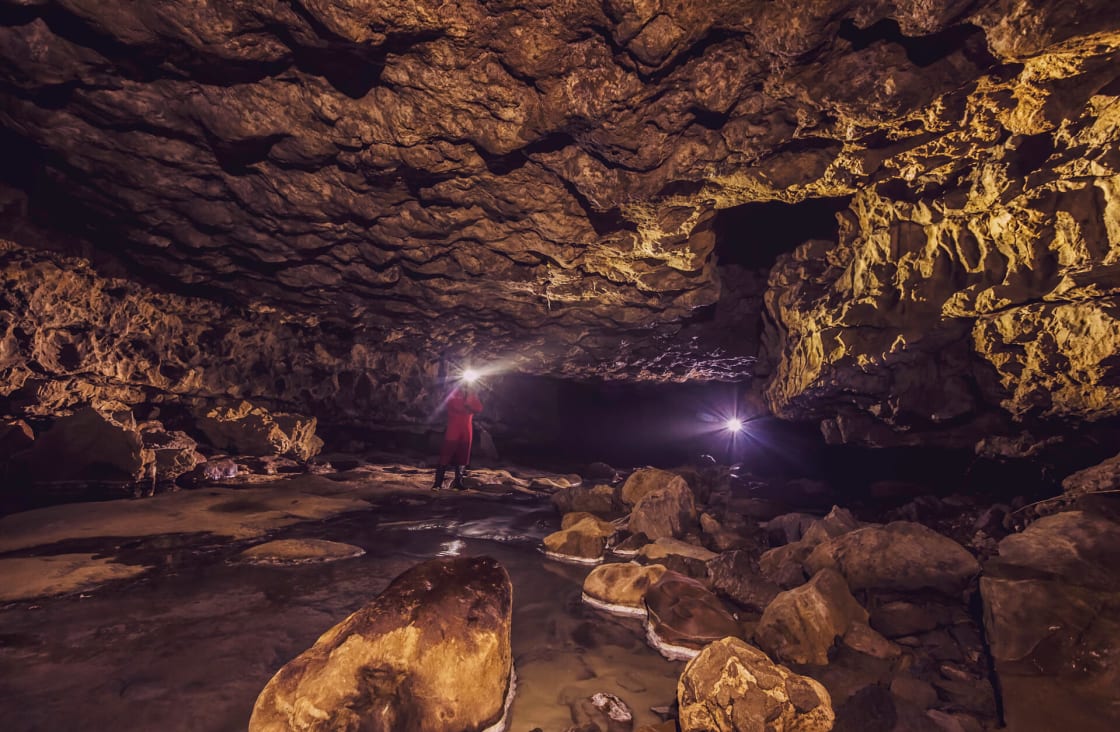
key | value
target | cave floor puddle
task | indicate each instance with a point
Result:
(189, 644)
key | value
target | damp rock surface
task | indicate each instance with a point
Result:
(622, 585)
(734, 687)
(800, 626)
(27, 578)
(901, 555)
(387, 664)
(300, 551)
(1052, 617)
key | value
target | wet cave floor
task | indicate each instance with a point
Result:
(189, 643)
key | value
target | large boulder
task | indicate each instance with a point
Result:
(899, 556)
(646, 480)
(801, 625)
(683, 616)
(735, 575)
(785, 565)
(173, 452)
(601, 500)
(677, 555)
(1077, 547)
(1102, 477)
(788, 528)
(430, 654)
(1052, 619)
(568, 520)
(621, 587)
(722, 536)
(581, 539)
(246, 429)
(838, 522)
(705, 479)
(667, 511)
(733, 687)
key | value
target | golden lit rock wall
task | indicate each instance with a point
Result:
(70, 337)
(981, 274)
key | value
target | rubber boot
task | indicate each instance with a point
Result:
(440, 472)
(457, 484)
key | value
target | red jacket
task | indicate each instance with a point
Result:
(461, 409)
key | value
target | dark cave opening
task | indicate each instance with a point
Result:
(925, 50)
(754, 234)
(632, 424)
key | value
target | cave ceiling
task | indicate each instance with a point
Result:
(542, 180)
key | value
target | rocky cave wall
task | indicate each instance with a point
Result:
(986, 288)
(70, 337)
(363, 190)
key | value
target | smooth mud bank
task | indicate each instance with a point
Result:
(189, 642)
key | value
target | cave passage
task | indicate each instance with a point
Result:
(754, 234)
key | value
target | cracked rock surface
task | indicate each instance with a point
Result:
(542, 182)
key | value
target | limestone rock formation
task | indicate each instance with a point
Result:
(15, 436)
(900, 556)
(683, 616)
(250, 430)
(735, 575)
(647, 480)
(581, 539)
(801, 625)
(733, 687)
(545, 182)
(70, 337)
(621, 587)
(386, 667)
(668, 511)
(1052, 616)
(1102, 477)
(173, 452)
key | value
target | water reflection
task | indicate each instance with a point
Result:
(198, 638)
(451, 548)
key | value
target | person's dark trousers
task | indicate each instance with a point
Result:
(457, 484)
(441, 471)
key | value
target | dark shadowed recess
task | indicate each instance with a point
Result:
(22, 160)
(754, 234)
(925, 50)
(69, 224)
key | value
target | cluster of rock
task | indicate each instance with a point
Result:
(812, 620)
(105, 443)
(430, 654)
(839, 625)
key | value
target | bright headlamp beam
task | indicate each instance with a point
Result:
(470, 376)
(733, 425)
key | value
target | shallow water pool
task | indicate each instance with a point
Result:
(190, 644)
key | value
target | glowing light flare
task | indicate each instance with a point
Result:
(470, 376)
(734, 424)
